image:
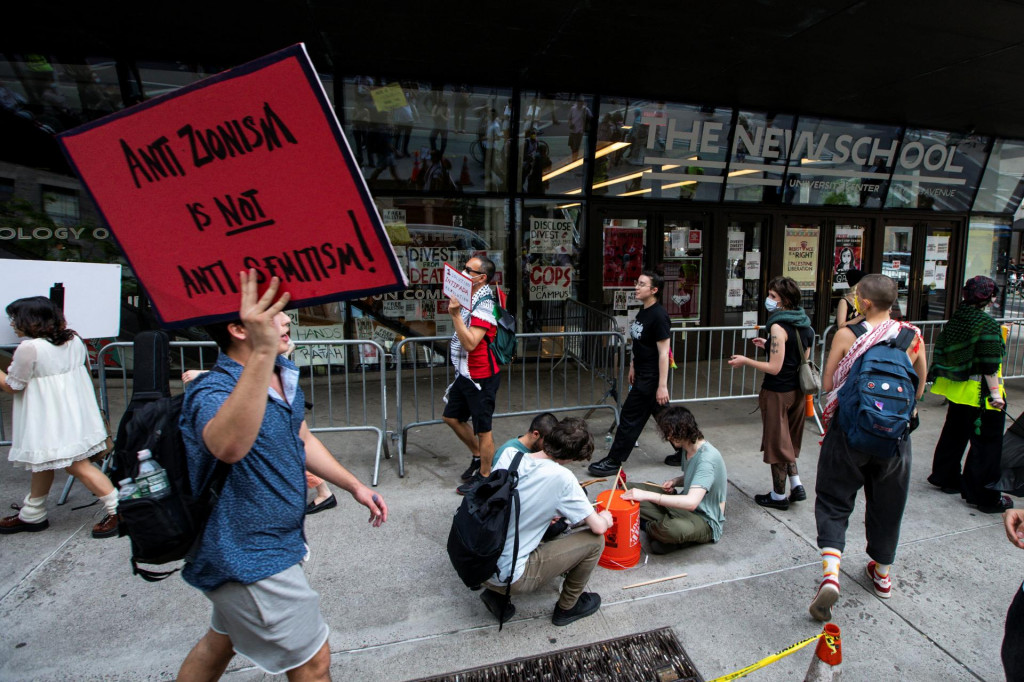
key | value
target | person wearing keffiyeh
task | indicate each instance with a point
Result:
(966, 368)
(843, 470)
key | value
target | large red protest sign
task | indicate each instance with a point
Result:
(245, 169)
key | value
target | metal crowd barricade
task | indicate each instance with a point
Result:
(543, 377)
(702, 370)
(338, 384)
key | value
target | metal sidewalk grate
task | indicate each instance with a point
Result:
(655, 655)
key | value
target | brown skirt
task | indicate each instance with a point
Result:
(782, 421)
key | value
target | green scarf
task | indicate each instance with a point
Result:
(797, 318)
(971, 343)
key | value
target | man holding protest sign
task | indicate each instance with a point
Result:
(248, 412)
(473, 392)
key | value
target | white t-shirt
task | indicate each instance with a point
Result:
(546, 490)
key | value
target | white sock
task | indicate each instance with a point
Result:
(794, 481)
(777, 497)
(830, 557)
(882, 570)
(33, 510)
(110, 502)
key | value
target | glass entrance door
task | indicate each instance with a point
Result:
(897, 259)
(937, 247)
(682, 262)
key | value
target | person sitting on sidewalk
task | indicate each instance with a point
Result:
(697, 513)
(842, 470)
(548, 489)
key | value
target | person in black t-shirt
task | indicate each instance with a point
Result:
(648, 373)
(781, 401)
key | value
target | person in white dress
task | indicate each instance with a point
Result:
(57, 423)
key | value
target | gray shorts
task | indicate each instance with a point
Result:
(274, 622)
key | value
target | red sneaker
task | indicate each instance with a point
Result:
(883, 585)
(824, 600)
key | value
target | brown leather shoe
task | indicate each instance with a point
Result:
(13, 524)
(107, 528)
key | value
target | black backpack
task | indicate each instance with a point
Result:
(480, 527)
(166, 529)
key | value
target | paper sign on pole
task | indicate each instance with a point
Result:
(458, 286)
(245, 169)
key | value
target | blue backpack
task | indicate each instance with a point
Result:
(878, 398)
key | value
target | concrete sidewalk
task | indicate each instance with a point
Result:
(72, 610)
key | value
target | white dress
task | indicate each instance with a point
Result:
(56, 418)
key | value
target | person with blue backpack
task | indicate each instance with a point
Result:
(875, 374)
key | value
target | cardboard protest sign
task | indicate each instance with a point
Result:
(458, 286)
(550, 282)
(245, 169)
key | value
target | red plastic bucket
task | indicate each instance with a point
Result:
(622, 541)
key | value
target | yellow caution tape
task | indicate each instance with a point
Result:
(768, 660)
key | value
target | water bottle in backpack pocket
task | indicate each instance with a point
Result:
(878, 399)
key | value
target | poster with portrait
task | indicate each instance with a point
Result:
(846, 255)
(800, 260)
(623, 256)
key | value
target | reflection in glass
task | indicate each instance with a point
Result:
(937, 170)
(838, 163)
(759, 155)
(446, 139)
(1002, 186)
(553, 138)
(661, 150)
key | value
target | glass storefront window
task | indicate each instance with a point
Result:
(937, 170)
(448, 139)
(1002, 186)
(553, 242)
(759, 155)
(988, 244)
(838, 163)
(622, 262)
(554, 132)
(666, 150)
(427, 233)
(57, 96)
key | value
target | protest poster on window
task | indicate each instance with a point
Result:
(846, 254)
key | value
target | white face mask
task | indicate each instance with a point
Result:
(770, 304)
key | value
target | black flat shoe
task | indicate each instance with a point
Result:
(330, 503)
(797, 494)
(767, 500)
(999, 507)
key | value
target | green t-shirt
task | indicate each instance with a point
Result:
(706, 469)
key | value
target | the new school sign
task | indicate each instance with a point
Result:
(245, 169)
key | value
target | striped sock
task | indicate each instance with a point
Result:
(830, 558)
(882, 570)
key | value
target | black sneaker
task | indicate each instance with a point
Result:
(606, 467)
(797, 494)
(675, 460)
(587, 604)
(767, 500)
(474, 466)
(494, 603)
(473, 482)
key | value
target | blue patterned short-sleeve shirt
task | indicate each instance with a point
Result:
(256, 528)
